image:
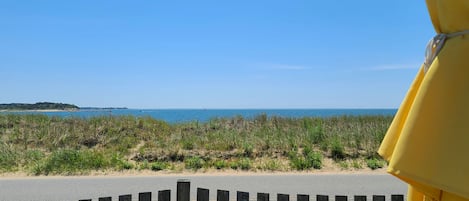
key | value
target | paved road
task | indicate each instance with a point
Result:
(75, 188)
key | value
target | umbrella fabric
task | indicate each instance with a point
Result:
(427, 144)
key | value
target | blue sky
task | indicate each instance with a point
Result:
(212, 54)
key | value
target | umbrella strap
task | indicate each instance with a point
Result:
(434, 47)
(460, 33)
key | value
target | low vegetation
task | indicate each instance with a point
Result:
(43, 145)
(38, 106)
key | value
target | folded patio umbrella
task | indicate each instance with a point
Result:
(427, 144)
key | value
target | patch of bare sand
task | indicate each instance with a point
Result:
(149, 173)
(329, 168)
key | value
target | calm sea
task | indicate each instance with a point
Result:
(203, 115)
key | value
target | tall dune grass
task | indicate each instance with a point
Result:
(39, 144)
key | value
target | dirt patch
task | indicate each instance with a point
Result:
(203, 172)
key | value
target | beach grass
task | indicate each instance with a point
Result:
(43, 145)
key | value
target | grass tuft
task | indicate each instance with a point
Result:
(158, 165)
(194, 162)
(375, 163)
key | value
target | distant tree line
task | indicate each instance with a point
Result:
(38, 106)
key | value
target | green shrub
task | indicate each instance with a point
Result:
(34, 156)
(245, 163)
(144, 165)
(233, 165)
(119, 163)
(292, 154)
(316, 135)
(307, 150)
(194, 162)
(70, 161)
(298, 163)
(38, 168)
(158, 165)
(127, 165)
(314, 160)
(309, 159)
(8, 158)
(374, 163)
(34, 161)
(220, 164)
(337, 150)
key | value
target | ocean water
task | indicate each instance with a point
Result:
(204, 115)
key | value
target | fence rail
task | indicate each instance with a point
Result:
(183, 194)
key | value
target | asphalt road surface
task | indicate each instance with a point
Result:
(76, 188)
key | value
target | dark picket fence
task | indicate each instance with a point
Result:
(183, 194)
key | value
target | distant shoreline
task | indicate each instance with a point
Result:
(39, 110)
(39, 106)
(63, 110)
(50, 107)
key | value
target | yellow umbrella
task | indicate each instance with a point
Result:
(427, 144)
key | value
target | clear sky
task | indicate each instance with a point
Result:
(212, 54)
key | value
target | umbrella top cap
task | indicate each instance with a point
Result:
(449, 16)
